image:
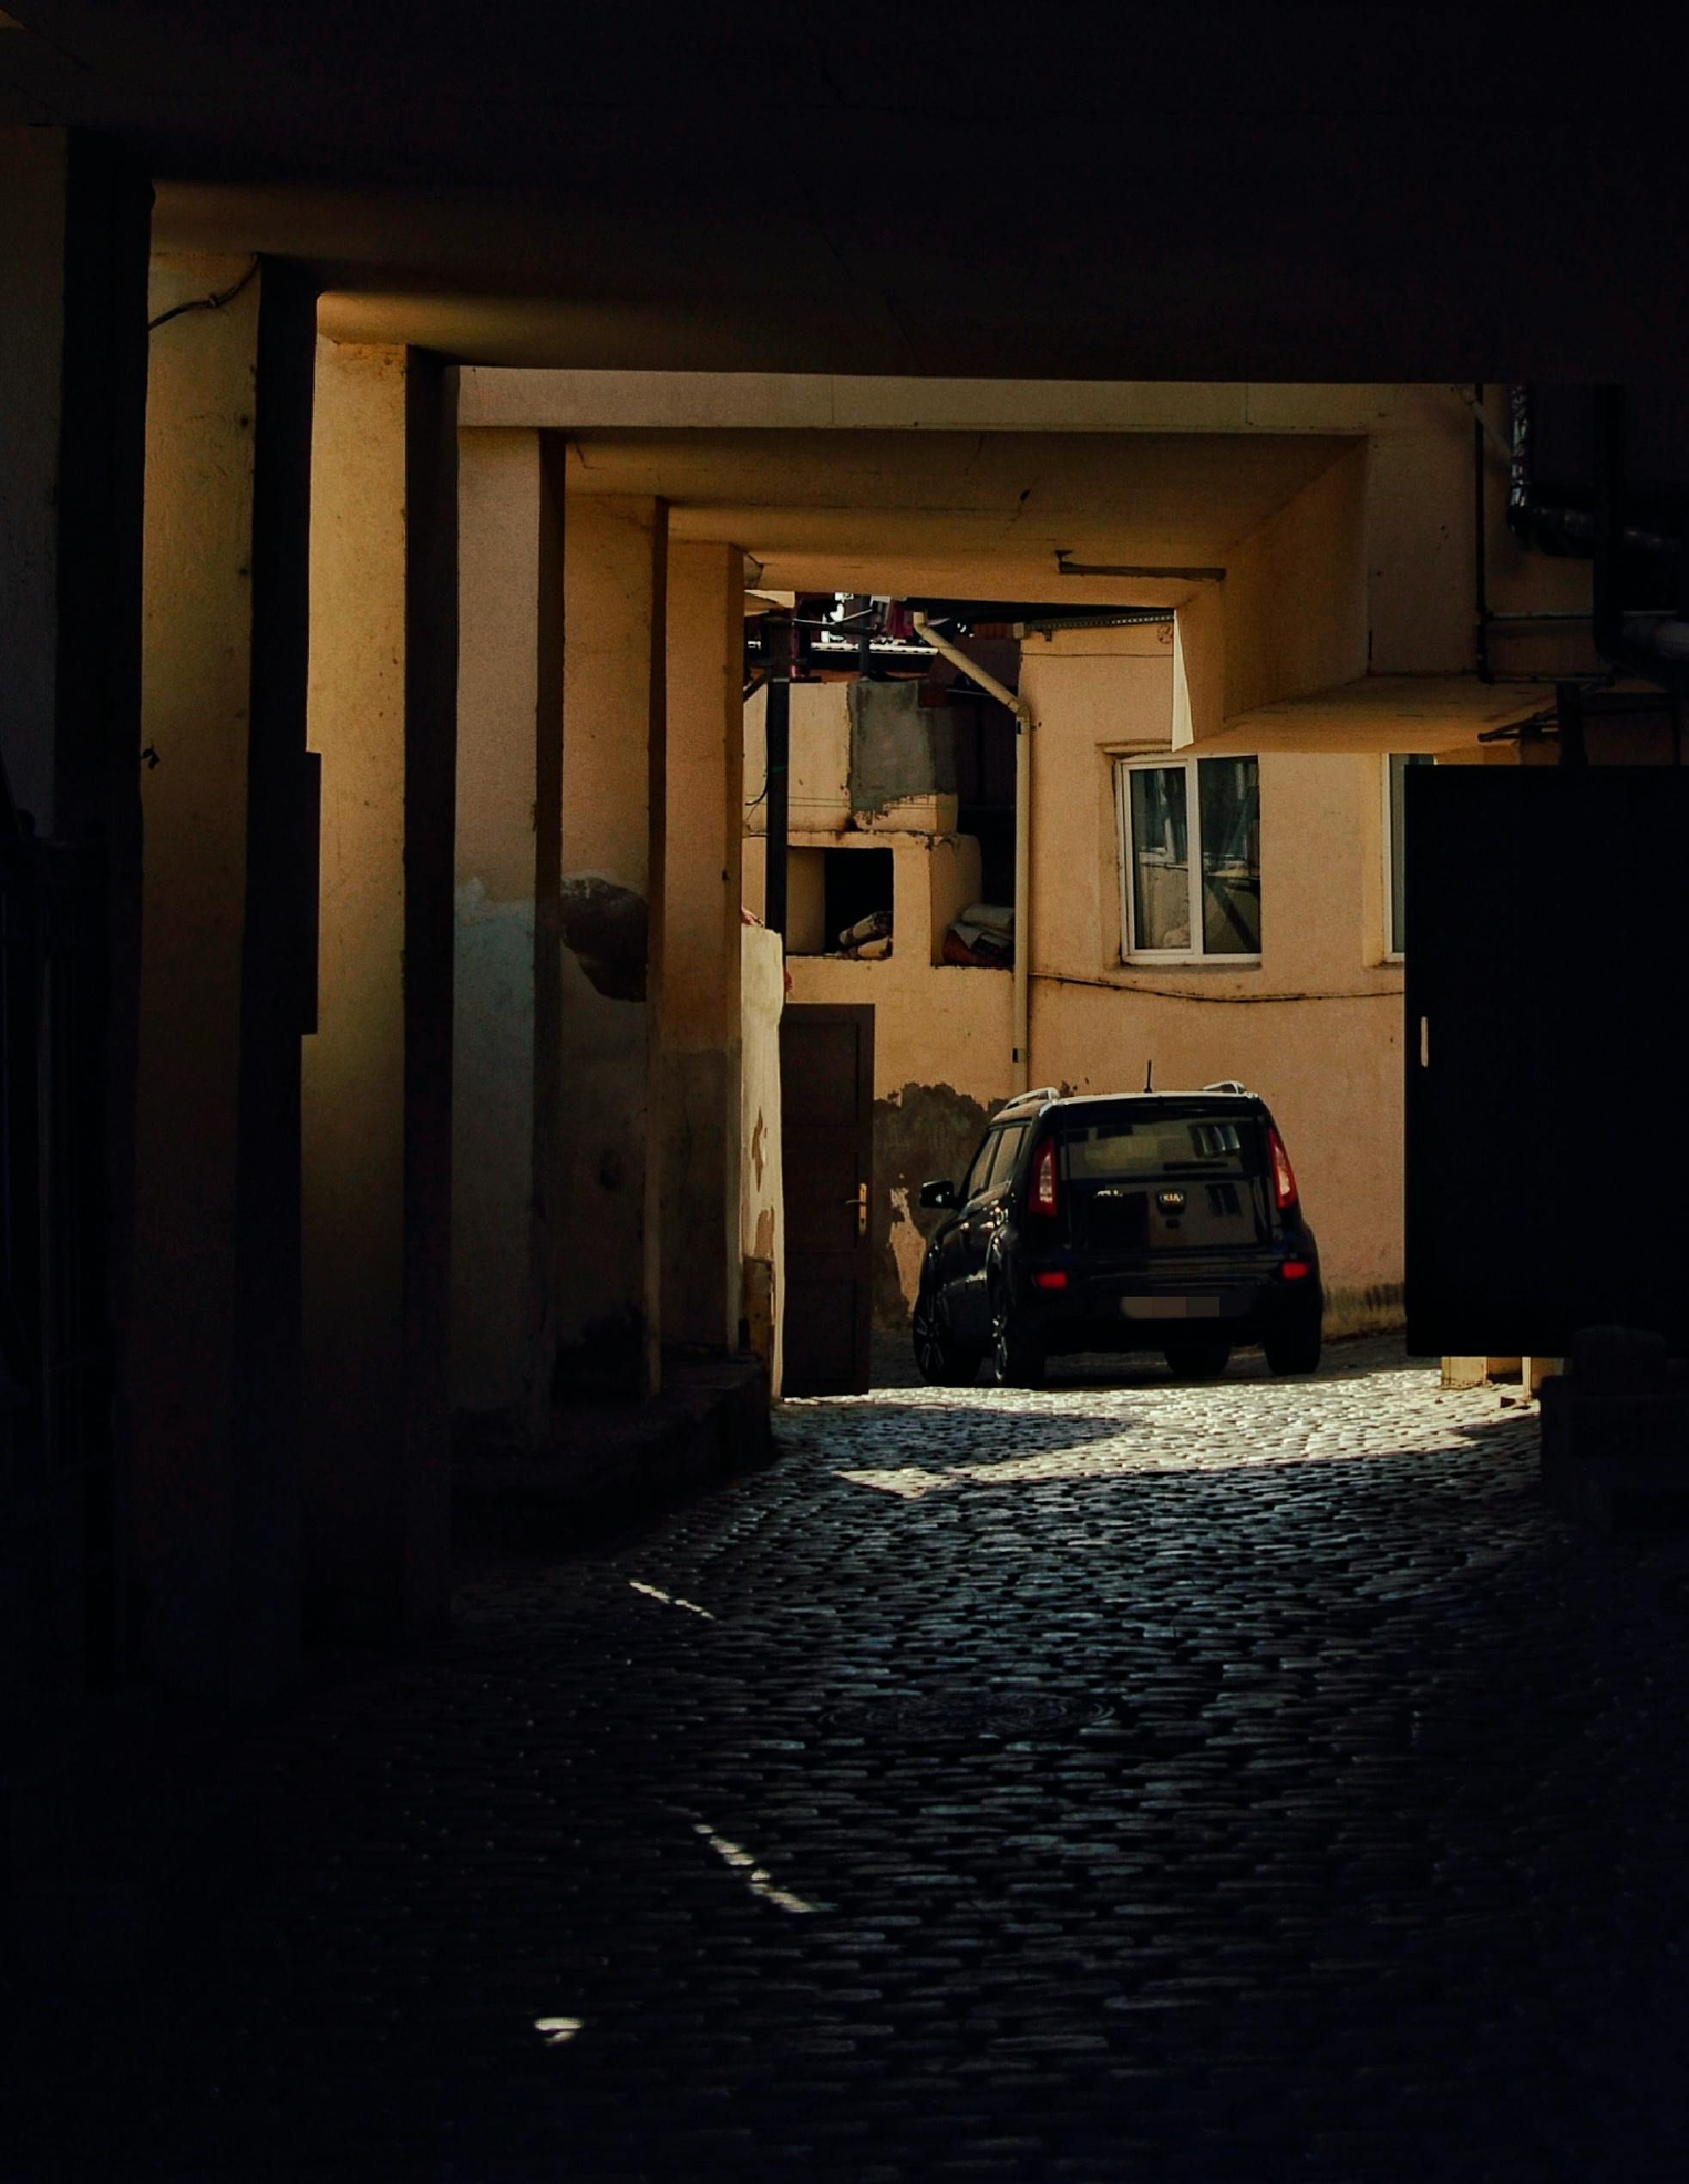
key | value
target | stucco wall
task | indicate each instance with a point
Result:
(941, 1045)
(941, 1066)
(1315, 1027)
(762, 1210)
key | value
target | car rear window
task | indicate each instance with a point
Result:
(1117, 1148)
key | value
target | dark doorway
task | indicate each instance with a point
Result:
(826, 1093)
(985, 749)
(1545, 1188)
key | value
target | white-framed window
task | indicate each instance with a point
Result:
(1190, 858)
(1395, 908)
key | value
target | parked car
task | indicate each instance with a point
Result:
(1164, 1221)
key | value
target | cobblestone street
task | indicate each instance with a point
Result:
(1250, 1780)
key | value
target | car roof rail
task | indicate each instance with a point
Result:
(1024, 1098)
(1229, 1084)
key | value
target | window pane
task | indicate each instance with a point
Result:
(1229, 803)
(1160, 864)
(973, 1182)
(1116, 1152)
(1009, 1144)
(1398, 923)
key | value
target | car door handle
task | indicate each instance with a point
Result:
(860, 1202)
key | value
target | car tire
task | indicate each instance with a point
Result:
(941, 1360)
(1203, 1357)
(1293, 1350)
(1018, 1359)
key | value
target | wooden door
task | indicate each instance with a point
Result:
(827, 1096)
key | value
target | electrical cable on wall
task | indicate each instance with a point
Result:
(1224, 1000)
(204, 303)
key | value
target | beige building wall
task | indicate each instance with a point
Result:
(1315, 1027)
(762, 1200)
(942, 1031)
(940, 1067)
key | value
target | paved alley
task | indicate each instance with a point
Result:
(1251, 1780)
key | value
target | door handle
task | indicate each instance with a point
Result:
(860, 1202)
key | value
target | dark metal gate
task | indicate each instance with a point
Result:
(1546, 1184)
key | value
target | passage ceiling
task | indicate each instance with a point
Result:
(1305, 191)
(981, 513)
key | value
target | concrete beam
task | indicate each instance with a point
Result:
(1440, 715)
(572, 401)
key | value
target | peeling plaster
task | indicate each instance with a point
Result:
(898, 747)
(908, 1244)
(607, 928)
(920, 1132)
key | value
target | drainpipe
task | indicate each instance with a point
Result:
(1020, 968)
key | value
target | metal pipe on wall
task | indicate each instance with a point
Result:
(1021, 1036)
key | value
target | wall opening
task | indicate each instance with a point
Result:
(829, 893)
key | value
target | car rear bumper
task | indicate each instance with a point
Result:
(1147, 1310)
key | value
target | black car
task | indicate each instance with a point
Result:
(1152, 1221)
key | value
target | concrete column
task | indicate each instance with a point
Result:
(227, 982)
(615, 568)
(377, 1089)
(701, 1026)
(506, 1131)
(72, 394)
(73, 374)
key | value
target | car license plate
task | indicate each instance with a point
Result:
(1170, 1308)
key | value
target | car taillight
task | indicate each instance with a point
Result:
(1041, 1198)
(1051, 1278)
(1284, 1175)
(1296, 1269)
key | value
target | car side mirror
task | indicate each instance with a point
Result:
(937, 1195)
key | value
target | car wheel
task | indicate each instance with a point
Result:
(941, 1360)
(1016, 1355)
(1204, 1358)
(1294, 1349)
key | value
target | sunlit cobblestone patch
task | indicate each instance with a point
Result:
(1252, 1779)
